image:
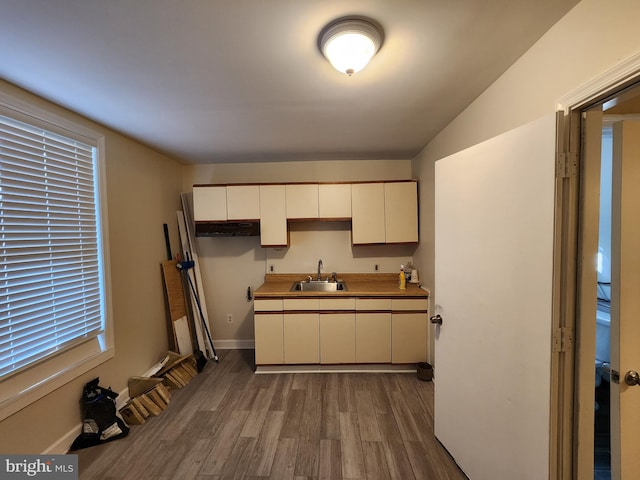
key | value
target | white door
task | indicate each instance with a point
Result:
(494, 212)
(625, 300)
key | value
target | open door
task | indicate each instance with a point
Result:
(625, 301)
(494, 234)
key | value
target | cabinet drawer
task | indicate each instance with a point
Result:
(267, 305)
(337, 303)
(301, 303)
(364, 304)
(416, 304)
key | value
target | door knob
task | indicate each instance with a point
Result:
(436, 319)
(632, 378)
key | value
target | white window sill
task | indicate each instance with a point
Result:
(25, 388)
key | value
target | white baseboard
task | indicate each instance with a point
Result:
(234, 344)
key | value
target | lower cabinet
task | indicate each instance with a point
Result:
(373, 337)
(301, 338)
(337, 338)
(409, 337)
(269, 339)
(340, 330)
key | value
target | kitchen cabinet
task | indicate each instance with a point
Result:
(380, 212)
(337, 338)
(373, 330)
(409, 330)
(269, 332)
(401, 212)
(334, 201)
(209, 203)
(269, 335)
(301, 331)
(337, 330)
(273, 216)
(358, 328)
(302, 201)
(367, 213)
(384, 212)
(243, 202)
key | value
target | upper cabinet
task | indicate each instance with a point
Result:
(334, 201)
(384, 212)
(302, 201)
(243, 202)
(367, 213)
(221, 203)
(273, 216)
(401, 212)
(380, 212)
(210, 204)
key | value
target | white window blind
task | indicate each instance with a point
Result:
(50, 261)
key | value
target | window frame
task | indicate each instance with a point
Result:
(27, 386)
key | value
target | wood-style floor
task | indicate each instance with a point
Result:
(229, 423)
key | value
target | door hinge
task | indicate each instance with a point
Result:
(566, 164)
(562, 340)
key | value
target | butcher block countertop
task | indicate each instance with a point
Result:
(277, 285)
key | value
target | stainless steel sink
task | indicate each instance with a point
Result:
(318, 286)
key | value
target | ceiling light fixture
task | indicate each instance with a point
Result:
(350, 42)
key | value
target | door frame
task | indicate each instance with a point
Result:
(572, 400)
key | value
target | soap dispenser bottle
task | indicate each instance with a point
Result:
(402, 278)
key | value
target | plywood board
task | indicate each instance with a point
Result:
(177, 303)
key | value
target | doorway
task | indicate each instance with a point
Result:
(600, 318)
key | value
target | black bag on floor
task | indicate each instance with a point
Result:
(100, 424)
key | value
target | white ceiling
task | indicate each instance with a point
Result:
(217, 81)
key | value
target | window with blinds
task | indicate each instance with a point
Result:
(50, 256)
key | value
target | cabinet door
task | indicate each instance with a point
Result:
(334, 200)
(367, 213)
(302, 201)
(401, 212)
(273, 216)
(210, 204)
(269, 339)
(373, 337)
(301, 338)
(408, 337)
(337, 337)
(243, 202)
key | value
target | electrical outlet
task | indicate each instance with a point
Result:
(376, 267)
(272, 268)
(229, 318)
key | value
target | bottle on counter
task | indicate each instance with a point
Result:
(402, 279)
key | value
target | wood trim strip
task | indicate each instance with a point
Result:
(303, 183)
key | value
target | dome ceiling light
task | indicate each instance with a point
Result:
(350, 42)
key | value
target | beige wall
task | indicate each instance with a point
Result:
(306, 171)
(142, 193)
(231, 265)
(592, 38)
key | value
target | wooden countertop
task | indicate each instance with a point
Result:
(358, 285)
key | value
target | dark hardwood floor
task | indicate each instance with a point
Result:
(229, 423)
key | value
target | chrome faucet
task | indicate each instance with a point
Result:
(320, 265)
